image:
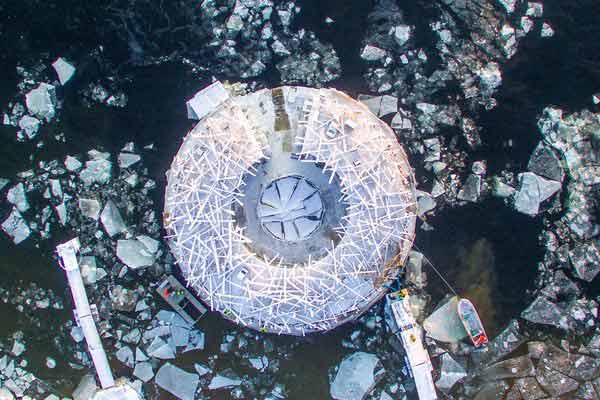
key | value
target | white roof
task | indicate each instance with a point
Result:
(206, 101)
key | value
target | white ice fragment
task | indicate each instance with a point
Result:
(41, 101)
(451, 372)
(151, 244)
(444, 323)
(61, 213)
(509, 5)
(221, 381)
(547, 30)
(176, 381)
(17, 196)
(56, 188)
(89, 271)
(202, 369)
(18, 348)
(206, 101)
(161, 349)
(532, 191)
(372, 53)
(90, 208)
(63, 69)
(357, 374)
(72, 163)
(125, 355)
(98, 155)
(401, 34)
(96, 171)
(111, 219)
(126, 160)
(143, 371)
(29, 126)
(134, 254)
(535, 10)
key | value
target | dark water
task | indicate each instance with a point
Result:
(487, 251)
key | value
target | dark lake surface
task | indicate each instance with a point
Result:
(487, 251)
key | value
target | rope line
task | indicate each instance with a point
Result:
(436, 270)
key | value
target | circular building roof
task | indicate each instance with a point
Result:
(288, 209)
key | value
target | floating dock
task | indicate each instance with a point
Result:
(67, 253)
(417, 358)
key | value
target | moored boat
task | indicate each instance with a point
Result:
(472, 323)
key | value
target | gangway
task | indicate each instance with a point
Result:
(417, 358)
(67, 253)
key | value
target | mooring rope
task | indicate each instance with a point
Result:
(436, 270)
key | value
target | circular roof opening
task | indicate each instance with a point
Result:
(290, 208)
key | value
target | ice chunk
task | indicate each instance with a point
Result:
(63, 69)
(202, 369)
(41, 102)
(143, 371)
(545, 163)
(17, 196)
(444, 324)
(451, 372)
(61, 213)
(6, 394)
(86, 389)
(372, 53)
(16, 227)
(151, 244)
(547, 30)
(358, 373)
(195, 342)
(134, 254)
(125, 355)
(87, 265)
(140, 355)
(471, 190)
(123, 299)
(72, 163)
(160, 349)
(206, 101)
(221, 381)
(380, 105)
(126, 160)
(585, 259)
(96, 171)
(90, 208)
(176, 381)
(29, 126)
(401, 34)
(532, 191)
(56, 188)
(111, 219)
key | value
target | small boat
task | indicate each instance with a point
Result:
(470, 319)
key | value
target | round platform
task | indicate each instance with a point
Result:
(288, 209)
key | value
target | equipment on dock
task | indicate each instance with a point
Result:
(182, 301)
(417, 358)
(472, 323)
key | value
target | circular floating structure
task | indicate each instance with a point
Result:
(289, 209)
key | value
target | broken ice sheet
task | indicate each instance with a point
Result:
(176, 381)
(16, 227)
(444, 324)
